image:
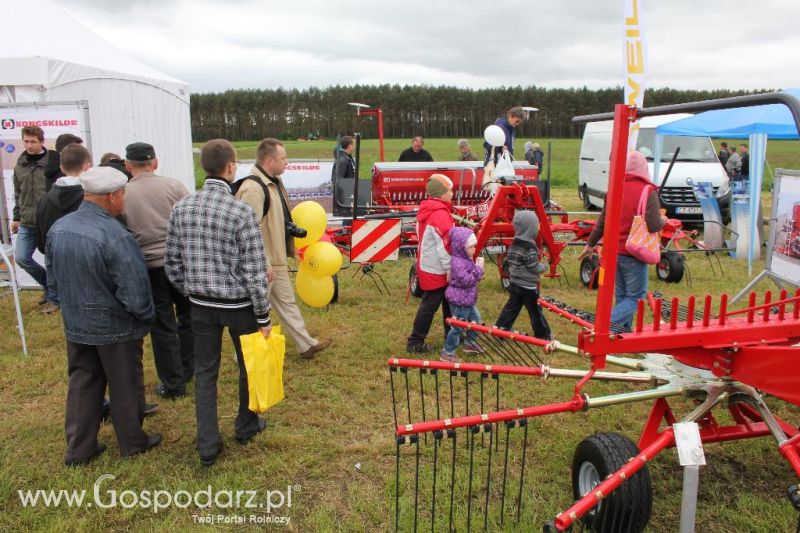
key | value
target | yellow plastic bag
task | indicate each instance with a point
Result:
(263, 359)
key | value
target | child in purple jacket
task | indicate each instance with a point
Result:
(462, 291)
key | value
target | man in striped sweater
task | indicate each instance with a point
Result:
(215, 257)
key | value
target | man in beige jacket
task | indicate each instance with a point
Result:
(149, 200)
(278, 243)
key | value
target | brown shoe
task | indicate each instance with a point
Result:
(43, 299)
(49, 308)
(311, 352)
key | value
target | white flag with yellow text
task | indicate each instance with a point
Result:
(635, 61)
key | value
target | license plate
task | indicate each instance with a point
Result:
(689, 210)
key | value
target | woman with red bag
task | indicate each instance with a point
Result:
(631, 282)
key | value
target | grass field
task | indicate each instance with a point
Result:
(564, 154)
(338, 414)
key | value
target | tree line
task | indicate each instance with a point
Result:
(252, 114)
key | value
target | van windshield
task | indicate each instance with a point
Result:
(693, 149)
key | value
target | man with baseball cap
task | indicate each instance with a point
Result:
(149, 200)
(100, 276)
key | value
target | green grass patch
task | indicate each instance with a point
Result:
(338, 413)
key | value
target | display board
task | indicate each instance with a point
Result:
(783, 247)
(55, 119)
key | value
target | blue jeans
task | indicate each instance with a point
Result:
(23, 253)
(469, 314)
(630, 287)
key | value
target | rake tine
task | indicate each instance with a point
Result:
(416, 484)
(524, 423)
(392, 371)
(422, 400)
(483, 410)
(436, 378)
(466, 381)
(437, 436)
(471, 432)
(505, 475)
(408, 394)
(452, 405)
(487, 427)
(502, 351)
(451, 433)
(397, 487)
(496, 377)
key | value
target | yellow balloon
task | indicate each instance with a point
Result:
(322, 259)
(314, 291)
(311, 217)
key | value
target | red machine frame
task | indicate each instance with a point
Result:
(748, 350)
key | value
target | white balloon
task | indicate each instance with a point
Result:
(494, 135)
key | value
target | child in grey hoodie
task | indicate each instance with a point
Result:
(524, 269)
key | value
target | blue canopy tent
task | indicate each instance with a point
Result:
(757, 123)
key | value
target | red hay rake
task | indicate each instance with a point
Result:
(723, 360)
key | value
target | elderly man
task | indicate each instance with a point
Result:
(267, 191)
(216, 258)
(99, 274)
(416, 153)
(514, 117)
(466, 151)
(535, 156)
(148, 203)
(32, 180)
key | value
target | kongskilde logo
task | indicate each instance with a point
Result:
(8, 124)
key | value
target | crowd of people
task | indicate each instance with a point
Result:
(130, 253)
(737, 164)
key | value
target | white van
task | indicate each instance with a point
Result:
(697, 162)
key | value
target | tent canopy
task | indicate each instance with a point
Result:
(48, 56)
(774, 120)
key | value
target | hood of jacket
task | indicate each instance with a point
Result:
(458, 242)
(636, 168)
(429, 207)
(64, 197)
(526, 225)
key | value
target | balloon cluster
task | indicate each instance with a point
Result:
(320, 259)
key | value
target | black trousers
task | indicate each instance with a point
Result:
(428, 305)
(207, 325)
(90, 368)
(173, 342)
(529, 298)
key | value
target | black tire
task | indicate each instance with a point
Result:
(583, 194)
(670, 267)
(505, 280)
(628, 508)
(413, 282)
(335, 297)
(588, 271)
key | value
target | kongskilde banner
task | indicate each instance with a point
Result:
(54, 120)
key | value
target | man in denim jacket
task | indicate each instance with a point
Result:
(99, 275)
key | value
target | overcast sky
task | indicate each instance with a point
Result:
(236, 44)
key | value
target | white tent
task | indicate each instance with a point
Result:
(47, 56)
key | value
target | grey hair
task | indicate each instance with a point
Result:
(463, 142)
(528, 146)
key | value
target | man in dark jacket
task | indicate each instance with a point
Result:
(64, 197)
(416, 154)
(98, 271)
(345, 165)
(30, 185)
(514, 117)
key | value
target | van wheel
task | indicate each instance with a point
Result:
(588, 271)
(583, 194)
(670, 267)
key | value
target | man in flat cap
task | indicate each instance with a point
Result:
(149, 200)
(100, 276)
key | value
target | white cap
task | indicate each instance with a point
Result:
(102, 180)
